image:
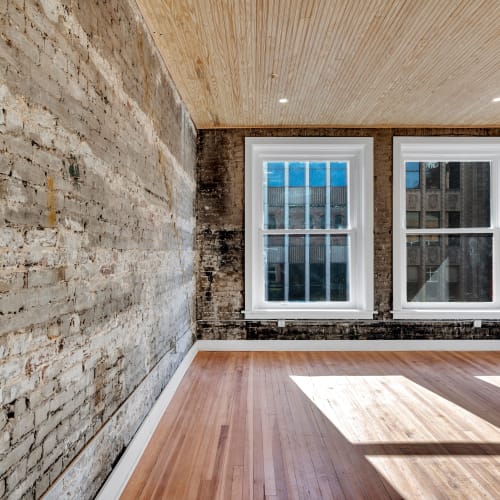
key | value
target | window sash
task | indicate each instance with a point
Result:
(445, 149)
(306, 231)
(307, 194)
(307, 269)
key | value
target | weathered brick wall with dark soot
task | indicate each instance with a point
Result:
(220, 240)
(97, 287)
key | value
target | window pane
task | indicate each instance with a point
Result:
(412, 175)
(317, 195)
(297, 174)
(338, 174)
(317, 208)
(317, 268)
(412, 274)
(446, 272)
(339, 265)
(432, 220)
(453, 219)
(412, 220)
(432, 240)
(462, 201)
(317, 174)
(297, 212)
(275, 266)
(296, 195)
(412, 280)
(338, 195)
(413, 241)
(297, 268)
(274, 202)
(432, 175)
(453, 175)
(453, 274)
(468, 193)
(291, 282)
(275, 172)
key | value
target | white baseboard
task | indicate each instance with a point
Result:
(118, 479)
(348, 345)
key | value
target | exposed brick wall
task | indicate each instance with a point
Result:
(97, 187)
(220, 240)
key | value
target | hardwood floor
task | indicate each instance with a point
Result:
(328, 425)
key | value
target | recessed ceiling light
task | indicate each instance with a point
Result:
(497, 99)
(283, 100)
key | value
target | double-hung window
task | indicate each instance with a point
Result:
(308, 228)
(446, 228)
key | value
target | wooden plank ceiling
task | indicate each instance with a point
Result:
(338, 62)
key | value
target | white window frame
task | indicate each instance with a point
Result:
(358, 152)
(443, 149)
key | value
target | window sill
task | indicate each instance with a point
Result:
(446, 314)
(317, 314)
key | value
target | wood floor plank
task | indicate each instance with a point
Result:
(332, 425)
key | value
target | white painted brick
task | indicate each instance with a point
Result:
(40, 277)
(11, 369)
(17, 389)
(55, 470)
(3, 418)
(71, 375)
(13, 280)
(42, 484)
(22, 426)
(4, 442)
(50, 442)
(17, 474)
(24, 489)
(102, 283)
(41, 413)
(16, 453)
(17, 301)
(44, 238)
(11, 238)
(34, 457)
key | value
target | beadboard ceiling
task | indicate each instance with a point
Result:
(353, 63)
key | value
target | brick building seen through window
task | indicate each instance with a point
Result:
(448, 267)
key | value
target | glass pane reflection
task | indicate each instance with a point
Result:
(317, 195)
(339, 266)
(274, 202)
(274, 247)
(338, 195)
(305, 268)
(455, 268)
(453, 194)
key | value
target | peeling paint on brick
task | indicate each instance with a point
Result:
(97, 185)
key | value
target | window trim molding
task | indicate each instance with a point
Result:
(359, 152)
(431, 148)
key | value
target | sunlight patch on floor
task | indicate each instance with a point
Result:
(377, 409)
(411, 474)
(491, 379)
(378, 415)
